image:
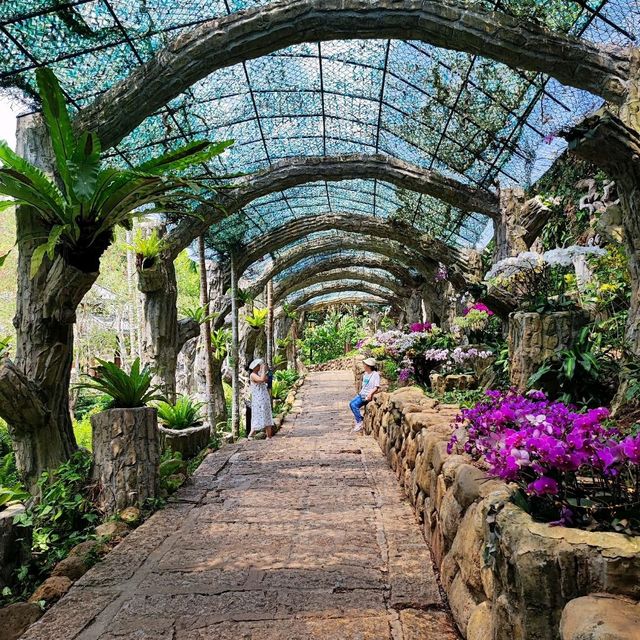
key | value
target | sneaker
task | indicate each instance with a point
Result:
(357, 428)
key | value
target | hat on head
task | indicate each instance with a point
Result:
(257, 362)
(370, 362)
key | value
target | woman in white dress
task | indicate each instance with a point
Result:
(261, 416)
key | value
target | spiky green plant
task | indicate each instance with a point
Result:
(199, 314)
(127, 390)
(258, 318)
(183, 414)
(79, 215)
(147, 246)
(4, 346)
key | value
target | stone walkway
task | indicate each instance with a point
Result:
(304, 537)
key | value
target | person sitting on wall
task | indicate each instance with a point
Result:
(370, 386)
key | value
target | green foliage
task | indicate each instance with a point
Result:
(92, 200)
(257, 319)
(288, 376)
(584, 374)
(331, 339)
(65, 515)
(220, 339)
(172, 471)
(147, 246)
(9, 477)
(5, 346)
(279, 360)
(127, 390)
(289, 311)
(279, 390)
(83, 431)
(9, 496)
(389, 370)
(183, 414)
(199, 314)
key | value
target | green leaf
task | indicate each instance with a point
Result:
(7, 204)
(36, 259)
(200, 151)
(84, 166)
(57, 119)
(4, 257)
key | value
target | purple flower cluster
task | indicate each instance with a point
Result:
(420, 327)
(574, 461)
(478, 306)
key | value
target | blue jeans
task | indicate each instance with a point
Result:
(355, 406)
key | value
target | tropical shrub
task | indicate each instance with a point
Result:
(279, 390)
(65, 514)
(288, 376)
(183, 414)
(220, 339)
(126, 390)
(330, 339)
(257, 319)
(586, 373)
(147, 248)
(199, 314)
(571, 468)
(9, 496)
(92, 200)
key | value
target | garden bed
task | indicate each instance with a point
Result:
(506, 576)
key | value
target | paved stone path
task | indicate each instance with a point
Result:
(304, 537)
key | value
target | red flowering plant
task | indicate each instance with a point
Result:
(574, 469)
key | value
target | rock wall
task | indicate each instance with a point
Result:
(506, 576)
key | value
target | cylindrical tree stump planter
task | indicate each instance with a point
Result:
(533, 337)
(188, 442)
(126, 457)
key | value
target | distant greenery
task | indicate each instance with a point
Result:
(331, 339)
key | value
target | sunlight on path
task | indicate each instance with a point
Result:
(304, 537)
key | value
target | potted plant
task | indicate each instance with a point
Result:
(182, 427)
(126, 440)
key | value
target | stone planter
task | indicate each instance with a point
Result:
(533, 337)
(15, 545)
(188, 442)
(126, 457)
(440, 383)
(506, 576)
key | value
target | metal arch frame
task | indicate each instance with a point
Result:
(364, 300)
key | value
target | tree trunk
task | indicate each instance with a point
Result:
(34, 390)
(126, 457)
(163, 335)
(235, 355)
(205, 337)
(218, 400)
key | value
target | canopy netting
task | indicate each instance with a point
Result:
(462, 115)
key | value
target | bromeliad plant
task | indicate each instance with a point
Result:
(78, 217)
(183, 414)
(572, 468)
(257, 318)
(126, 390)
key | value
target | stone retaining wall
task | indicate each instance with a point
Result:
(506, 576)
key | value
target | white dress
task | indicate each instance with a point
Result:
(261, 415)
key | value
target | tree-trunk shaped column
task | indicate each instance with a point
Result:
(34, 387)
(509, 233)
(163, 335)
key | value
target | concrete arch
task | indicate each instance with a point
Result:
(462, 263)
(307, 279)
(363, 300)
(250, 34)
(297, 171)
(344, 286)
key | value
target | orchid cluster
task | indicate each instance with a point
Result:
(538, 280)
(406, 370)
(573, 467)
(420, 327)
(474, 318)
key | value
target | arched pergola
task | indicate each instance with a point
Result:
(345, 286)
(165, 100)
(344, 299)
(311, 277)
